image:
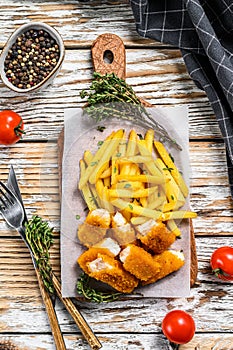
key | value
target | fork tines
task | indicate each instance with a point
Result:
(6, 196)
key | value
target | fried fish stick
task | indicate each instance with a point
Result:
(155, 236)
(139, 262)
(122, 231)
(89, 235)
(94, 228)
(90, 255)
(169, 261)
(108, 270)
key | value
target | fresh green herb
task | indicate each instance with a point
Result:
(171, 157)
(101, 128)
(93, 199)
(39, 237)
(172, 197)
(77, 217)
(91, 294)
(118, 154)
(114, 170)
(130, 206)
(127, 186)
(100, 143)
(169, 169)
(94, 163)
(111, 96)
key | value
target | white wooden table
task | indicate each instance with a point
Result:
(158, 74)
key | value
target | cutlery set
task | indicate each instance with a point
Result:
(13, 211)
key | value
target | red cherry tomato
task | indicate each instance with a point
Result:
(222, 263)
(11, 127)
(178, 326)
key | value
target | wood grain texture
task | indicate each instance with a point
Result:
(79, 23)
(158, 74)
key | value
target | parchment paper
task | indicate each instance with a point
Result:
(81, 134)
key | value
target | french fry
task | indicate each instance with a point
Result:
(138, 220)
(136, 159)
(128, 193)
(171, 165)
(109, 151)
(107, 181)
(173, 227)
(95, 160)
(149, 138)
(180, 214)
(132, 144)
(106, 201)
(125, 175)
(173, 192)
(142, 178)
(143, 201)
(150, 165)
(95, 196)
(123, 145)
(86, 192)
(136, 209)
(133, 185)
(115, 170)
(106, 173)
(87, 156)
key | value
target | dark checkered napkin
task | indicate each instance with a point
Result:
(203, 30)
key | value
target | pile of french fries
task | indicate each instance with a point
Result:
(136, 176)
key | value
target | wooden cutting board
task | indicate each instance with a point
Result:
(108, 56)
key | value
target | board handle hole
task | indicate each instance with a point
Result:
(108, 57)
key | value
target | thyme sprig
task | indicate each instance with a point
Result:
(39, 237)
(110, 96)
(91, 294)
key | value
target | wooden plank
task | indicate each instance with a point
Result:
(71, 18)
(110, 341)
(21, 301)
(158, 76)
(36, 169)
(25, 313)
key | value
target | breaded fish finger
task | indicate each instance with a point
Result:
(139, 262)
(155, 236)
(169, 261)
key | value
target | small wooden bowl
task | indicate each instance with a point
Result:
(49, 78)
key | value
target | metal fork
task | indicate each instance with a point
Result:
(12, 211)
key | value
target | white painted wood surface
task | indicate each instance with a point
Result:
(157, 74)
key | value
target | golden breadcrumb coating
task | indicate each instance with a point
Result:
(139, 262)
(157, 239)
(108, 270)
(90, 255)
(99, 217)
(124, 234)
(90, 235)
(169, 261)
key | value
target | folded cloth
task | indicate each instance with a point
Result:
(203, 30)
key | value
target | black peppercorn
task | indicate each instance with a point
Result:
(31, 58)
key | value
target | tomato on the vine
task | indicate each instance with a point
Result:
(11, 127)
(178, 326)
(222, 263)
